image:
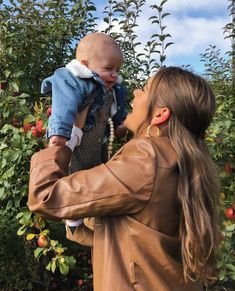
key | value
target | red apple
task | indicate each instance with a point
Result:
(39, 126)
(35, 132)
(42, 241)
(3, 85)
(80, 282)
(26, 127)
(229, 213)
(228, 168)
(48, 112)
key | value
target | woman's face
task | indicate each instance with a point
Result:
(139, 112)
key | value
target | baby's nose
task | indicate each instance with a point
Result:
(114, 74)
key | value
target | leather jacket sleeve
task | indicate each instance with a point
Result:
(121, 186)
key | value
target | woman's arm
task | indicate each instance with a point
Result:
(122, 185)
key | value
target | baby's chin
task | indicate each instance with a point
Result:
(109, 85)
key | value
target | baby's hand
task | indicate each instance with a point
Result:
(57, 140)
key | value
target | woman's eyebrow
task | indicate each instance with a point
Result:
(143, 85)
(146, 84)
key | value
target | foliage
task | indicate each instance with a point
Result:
(229, 31)
(46, 246)
(221, 139)
(40, 36)
(47, 32)
(15, 273)
(139, 62)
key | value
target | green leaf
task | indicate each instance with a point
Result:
(26, 218)
(230, 267)
(30, 236)
(53, 266)
(14, 86)
(59, 250)
(21, 230)
(38, 252)
(165, 14)
(2, 190)
(14, 156)
(29, 118)
(48, 267)
(71, 261)
(64, 268)
(7, 73)
(222, 275)
(230, 227)
(231, 275)
(53, 242)
(45, 232)
(19, 215)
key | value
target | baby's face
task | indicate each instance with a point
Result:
(107, 64)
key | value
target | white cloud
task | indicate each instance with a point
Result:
(191, 30)
(192, 5)
(193, 35)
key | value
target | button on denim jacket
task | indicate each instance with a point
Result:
(72, 88)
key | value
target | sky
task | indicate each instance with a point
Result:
(193, 25)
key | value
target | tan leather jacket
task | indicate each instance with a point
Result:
(136, 242)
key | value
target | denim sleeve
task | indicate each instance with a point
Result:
(67, 93)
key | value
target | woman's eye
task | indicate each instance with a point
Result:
(142, 86)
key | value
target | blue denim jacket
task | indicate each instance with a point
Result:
(71, 91)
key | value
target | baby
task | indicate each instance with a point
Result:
(90, 81)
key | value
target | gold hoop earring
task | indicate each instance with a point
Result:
(149, 131)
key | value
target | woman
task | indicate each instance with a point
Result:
(155, 201)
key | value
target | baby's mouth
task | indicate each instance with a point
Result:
(110, 84)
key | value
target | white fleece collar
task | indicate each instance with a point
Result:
(81, 71)
(78, 69)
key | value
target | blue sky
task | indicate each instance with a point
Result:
(193, 25)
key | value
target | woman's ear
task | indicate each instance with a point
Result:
(161, 115)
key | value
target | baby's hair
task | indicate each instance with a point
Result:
(192, 105)
(88, 44)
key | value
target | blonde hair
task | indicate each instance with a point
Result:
(192, 105)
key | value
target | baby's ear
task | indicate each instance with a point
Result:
(161, 115)
(84, 62)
